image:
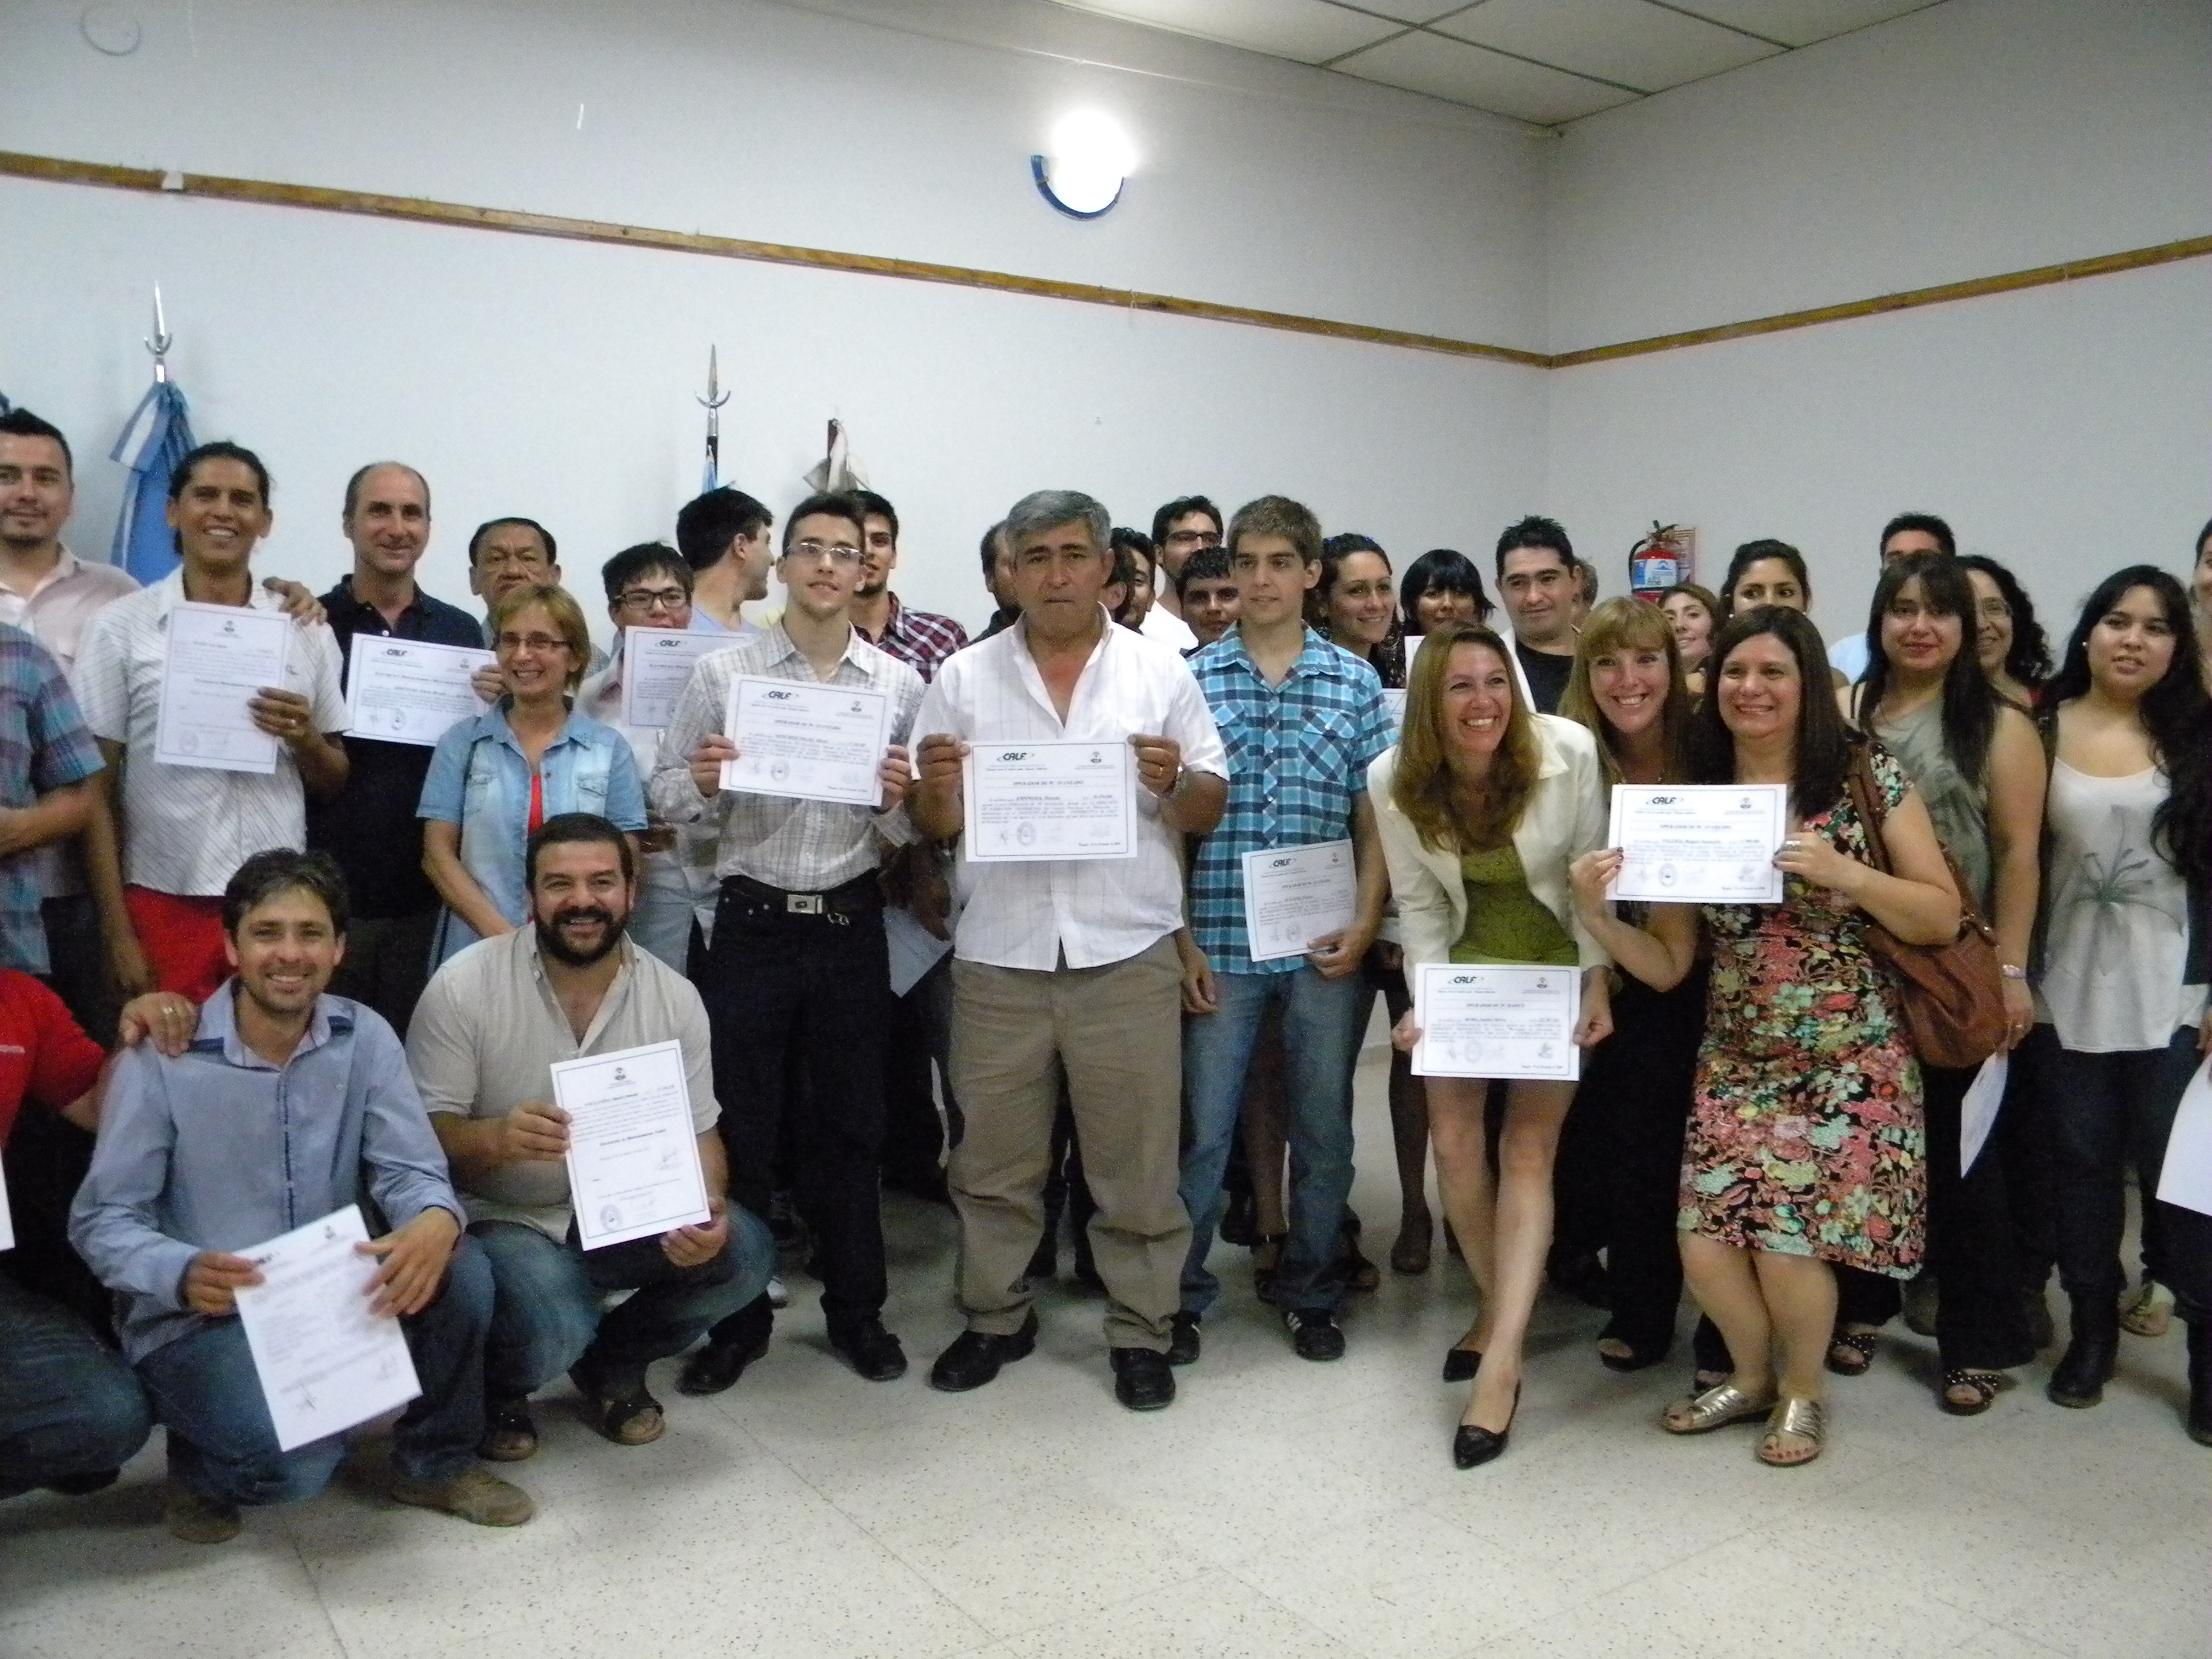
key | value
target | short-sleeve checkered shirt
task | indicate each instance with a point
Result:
(1298, 754)
(922, 640)
(45, 745)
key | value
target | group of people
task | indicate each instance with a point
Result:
(345, 980)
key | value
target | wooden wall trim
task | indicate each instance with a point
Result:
(419, 210)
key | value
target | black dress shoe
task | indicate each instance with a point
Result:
(874, 1351)
(1462, 1364)
(2200, 1382)
(2091, 1356)
(1473, 1445)
(721, 1364)
(1315, 1333)
(1183, 1340)
(974, 1356)
(1142, 1380)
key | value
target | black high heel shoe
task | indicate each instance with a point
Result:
(1473, 1445)
(1462, 1364)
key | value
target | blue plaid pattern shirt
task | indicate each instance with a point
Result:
(45, 745)
(1298, 754)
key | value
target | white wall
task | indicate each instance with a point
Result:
(2065, 430)
(556, 379)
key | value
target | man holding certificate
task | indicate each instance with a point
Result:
(791, 745)
(286, 1107)
(1285, 898)
(1065, 962)
(215, 760)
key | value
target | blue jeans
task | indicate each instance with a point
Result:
(548, 1320)
(68, 1406)
(1321, 1044)
(222, 1445)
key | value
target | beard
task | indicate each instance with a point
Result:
(552, 945)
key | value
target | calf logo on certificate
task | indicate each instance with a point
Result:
(1049, 800)
(1698, 844)
(1497, 1022)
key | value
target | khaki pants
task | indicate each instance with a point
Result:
(1113, 1031)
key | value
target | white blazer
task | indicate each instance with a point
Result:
(1565, 816)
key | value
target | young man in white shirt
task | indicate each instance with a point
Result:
(1070, 965)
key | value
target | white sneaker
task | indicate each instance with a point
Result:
(779, 1293)
(2149, 1311)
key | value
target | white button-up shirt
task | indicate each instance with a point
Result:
(1087, 912)
(187, 828)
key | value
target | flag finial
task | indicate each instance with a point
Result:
(161, 340)
(710, 478)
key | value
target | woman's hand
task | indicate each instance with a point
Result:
(1405, 1034)
(1590, 875)
(1814, 859)
(1595, 1022)
(2020, 1013)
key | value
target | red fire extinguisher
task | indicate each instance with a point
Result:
(1663, 559)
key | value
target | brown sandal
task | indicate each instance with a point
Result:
(1986, 1386)
(1859, 1346)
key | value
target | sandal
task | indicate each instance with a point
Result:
(1632, 1357)
(509, 1434)
(2149, 1311)
(630, 1418)
(1985, 1386)
(1800, 1419)
(1851, 1353)
(1716, 1408)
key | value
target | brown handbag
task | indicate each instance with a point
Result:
(1952, 994)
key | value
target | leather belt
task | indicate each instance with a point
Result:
(855, 897)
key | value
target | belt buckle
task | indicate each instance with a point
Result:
(803, 904)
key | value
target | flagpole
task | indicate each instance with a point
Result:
(161, 341)
(711, 478)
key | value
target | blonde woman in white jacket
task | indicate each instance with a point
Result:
(1483, 805)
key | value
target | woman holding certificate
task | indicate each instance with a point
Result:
(529, 757)
(1483, 805)
(1804, 1146)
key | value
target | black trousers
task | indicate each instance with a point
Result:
(2188, 1236)
(1634, 1104)
(1980, 1324)
(777, 985)
(917, 1060)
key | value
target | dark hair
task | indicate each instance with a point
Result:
(280, 869)
(21, 424)
(627, 566)
(221, 450)
(1182, 507)
(1927, 525)
(707, 525)
(2176, 713)
(1121, 572)
(577, 828)
(991, 539)
(1970, 701)
(1280, 516)
(354, 483)
(1535, 530)
(2203, 536)
(1138, 545)
(1752, 553)
(1824, 743)
(552, 552)
(2029, 659)
(1387, 659)
(876, 508)
(1444, 569)
(1207, 564)
(824, 504)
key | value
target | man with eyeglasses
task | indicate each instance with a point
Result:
(649, 586)
(369, 827)
(1180, 529)
(507, 554)
(797, 979)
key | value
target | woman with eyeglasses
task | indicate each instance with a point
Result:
(529, 757)
(2010, 644)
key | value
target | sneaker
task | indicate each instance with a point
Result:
(2148, 1311)
(1184, 1339)
(1315, 1333)
(476, 1495)
(197, 1520)
(779, 1293)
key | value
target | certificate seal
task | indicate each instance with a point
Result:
(1667, 876)
(610, 1217)
(778, 770)
(1026, 835)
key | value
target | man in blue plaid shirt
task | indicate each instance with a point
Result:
(47, 757)
(1301, 719)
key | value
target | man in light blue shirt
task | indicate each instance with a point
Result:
(285, 1106)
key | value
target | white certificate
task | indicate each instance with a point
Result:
(411, 691)
(633, 1155)
(219, 658)
(1977, 1110)
(1497, 1022)
(6, 1218)
(656, 664)
(1294, 895)
(1394, 703)
(912, 949)
(325, 1361)
(2185, 1177)
(1051, 800)
(1688, 843)
(807, 741)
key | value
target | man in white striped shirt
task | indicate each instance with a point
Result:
(1069, 965)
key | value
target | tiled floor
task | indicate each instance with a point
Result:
(1279, 1508)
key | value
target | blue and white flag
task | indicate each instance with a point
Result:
(162, 432)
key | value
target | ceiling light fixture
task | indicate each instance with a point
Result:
(1084, 165)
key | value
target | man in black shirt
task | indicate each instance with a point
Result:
(370, 826)
(1538, 580)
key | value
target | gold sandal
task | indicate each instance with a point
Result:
(1801, 1418)
(1716, 1408)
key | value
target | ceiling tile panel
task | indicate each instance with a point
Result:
(1469, 75)
(1307, 31)
(1645, 46)
(1801, 22)
(1406, 11)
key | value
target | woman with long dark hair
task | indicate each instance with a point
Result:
(2011, 645)
(2126, 950)
(1805, 1147)
(1442, 585)
(1975, 761)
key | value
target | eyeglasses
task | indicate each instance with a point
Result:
(537, 643)
(1993, 609)
(499, 557)
(652, 599)
(815, 552)
(1193, 538)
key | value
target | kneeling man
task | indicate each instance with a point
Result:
(285, 1106)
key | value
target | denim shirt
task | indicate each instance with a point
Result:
(480, 779)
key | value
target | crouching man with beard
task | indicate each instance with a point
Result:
(485, 1035)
